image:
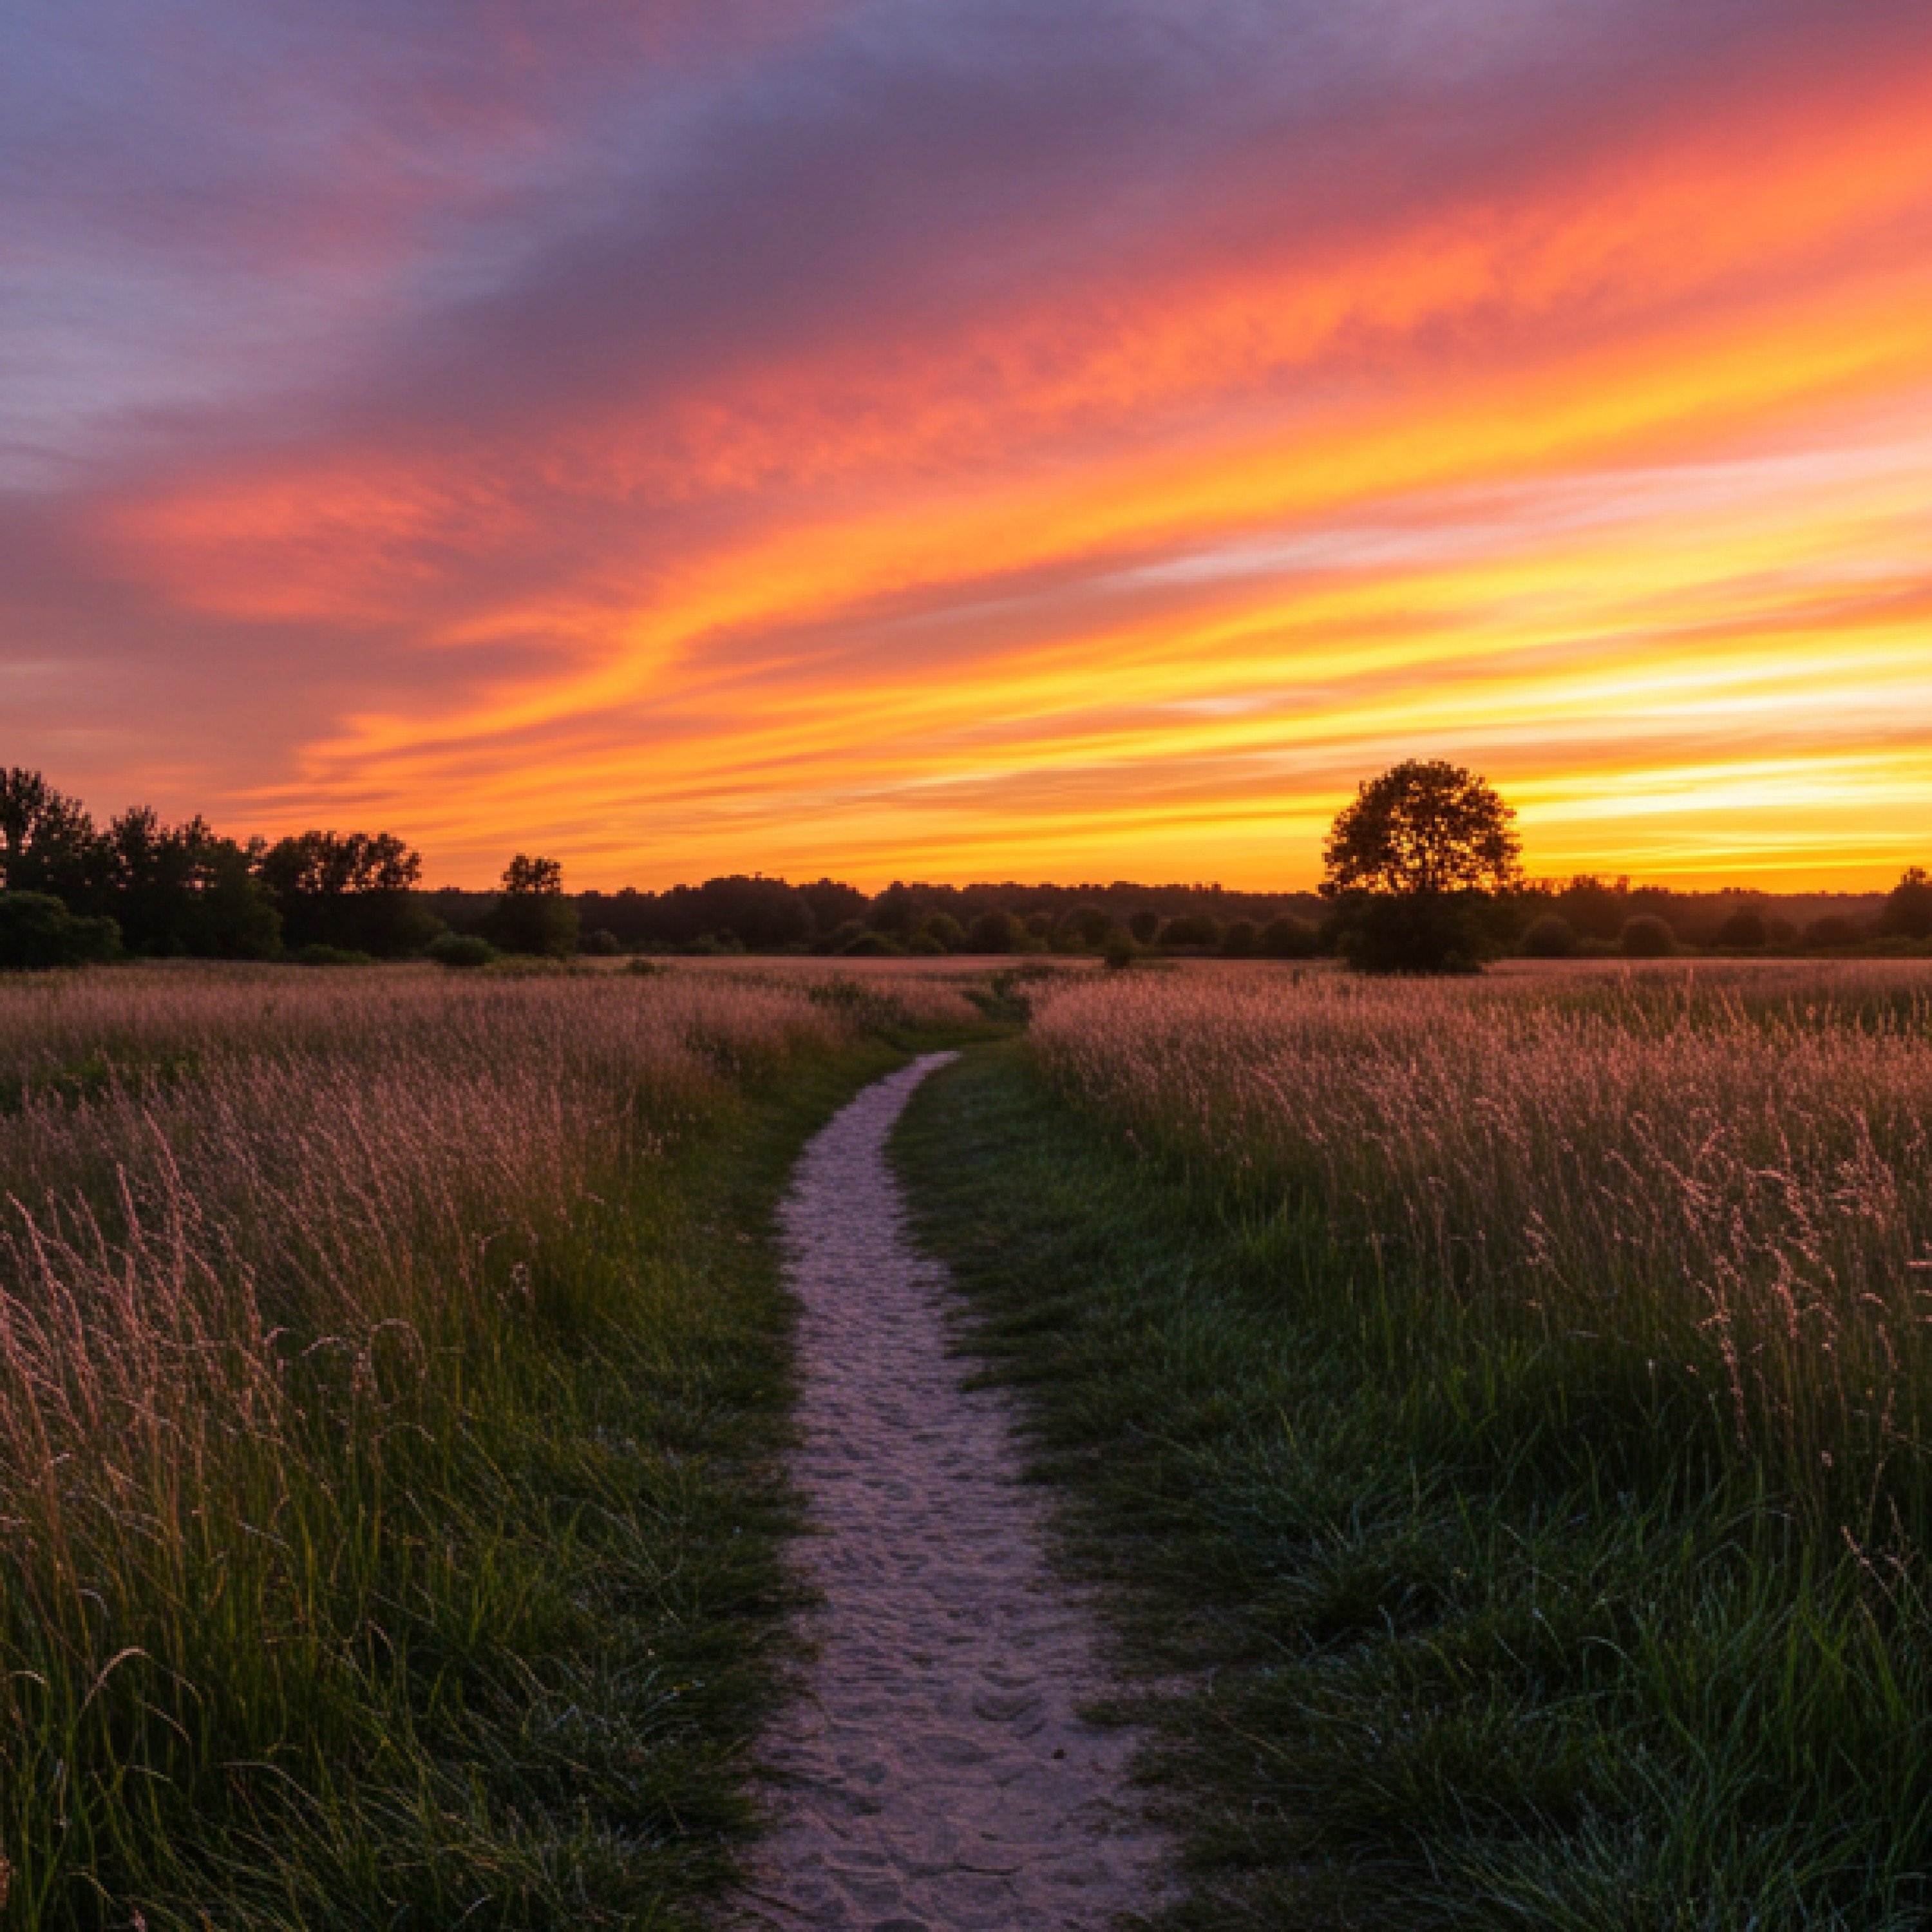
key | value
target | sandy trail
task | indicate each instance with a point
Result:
(935, 1777)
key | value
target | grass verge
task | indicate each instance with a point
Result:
(489, 1647)
(1456, 1656)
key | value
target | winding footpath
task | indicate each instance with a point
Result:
(935, 1776)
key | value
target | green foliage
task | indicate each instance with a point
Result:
(947, 930)
(1552, 937)
(872, 946)
(462, 952)
(1647, 937)
(38, 933)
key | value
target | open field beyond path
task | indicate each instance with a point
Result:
(937, 1778)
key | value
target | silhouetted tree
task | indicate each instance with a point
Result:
(1744, 931)
(531, 915)
(356, 890)
(1413, 863)
(1908, 910)
(48, 843)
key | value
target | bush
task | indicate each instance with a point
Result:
(1552, 937)
(37, 933)
(1647, 937)
(1745, 932)
(1287, 937)
(1416, 932)
(646, 969)
(1192, 928)
(926, 944)
(872, 946)
(1834, 930)
(331, 955)
(943, 927)
(1241, 940)
(991, 932)
(1145, 927)
(1119, 950)
(461, 952)
(601, 944)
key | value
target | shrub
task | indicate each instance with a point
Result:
(1241, 940)
(331, 955)
(1145, 927)
(1288, 938)
(991, 932)
(873, 946)
(1647, 937)
(1119, 951)
(1192, 928)
(601, 944)
(1552, 937)
(462, 952)
(926, 945)
(1744, 931)
(38, 933)
(947, 930)
(1834, 930)
(645, 969)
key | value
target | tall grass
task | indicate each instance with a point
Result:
(1507, 1404)
(1721, 1188)
(376, 1485)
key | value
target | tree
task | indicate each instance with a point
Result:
(48, 843)
(353, 889)
(991, 932)
(183, 890)
(532, 915)
(1414, 862)
(37, 933)
(1908, 910)
(1744, 931)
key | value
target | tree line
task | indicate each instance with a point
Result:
(1424, 872)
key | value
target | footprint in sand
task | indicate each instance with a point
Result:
(935, 1776)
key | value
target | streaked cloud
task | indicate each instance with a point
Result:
(961, 437)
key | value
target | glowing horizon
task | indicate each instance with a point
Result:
(958, 442)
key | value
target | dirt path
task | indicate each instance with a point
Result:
(936, 1778)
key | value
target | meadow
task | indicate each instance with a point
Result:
(1499, 1409)
(391, 1373)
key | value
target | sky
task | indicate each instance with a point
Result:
(956, 438)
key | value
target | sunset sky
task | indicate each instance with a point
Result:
(958, 439)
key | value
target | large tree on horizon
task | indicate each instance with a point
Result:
(1414, 860)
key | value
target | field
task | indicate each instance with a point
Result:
(390, 1373)
(1504, 1406)
(1497, 1415)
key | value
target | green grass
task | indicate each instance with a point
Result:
(488, 1647)
(1468, 1639)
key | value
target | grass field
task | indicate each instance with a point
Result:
(1501, 1408)
(391, 1366)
